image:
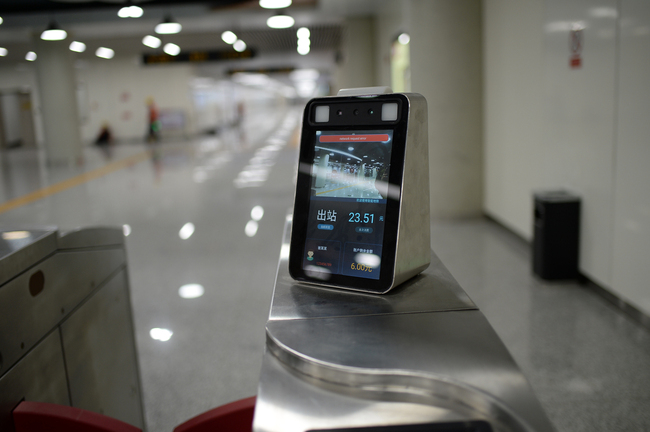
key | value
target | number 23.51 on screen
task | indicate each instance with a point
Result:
(366, 218)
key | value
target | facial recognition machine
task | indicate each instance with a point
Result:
(420, 357)
(361, 212)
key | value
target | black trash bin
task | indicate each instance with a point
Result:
(556, 238)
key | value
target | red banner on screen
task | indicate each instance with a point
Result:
(353, 138)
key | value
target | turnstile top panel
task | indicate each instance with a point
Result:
(435, 290)
(21, 249)
(91, 237)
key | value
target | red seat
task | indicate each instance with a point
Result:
(40, 416)
(233, 417)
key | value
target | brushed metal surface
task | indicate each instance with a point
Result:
(452, 360)
(20, 253)
(101, 356)
(69, 277)
(290, 402)
(434, 290)
(91, 237)
(420, 353)
(40, 376)
(414, 231)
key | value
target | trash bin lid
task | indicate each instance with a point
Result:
(556, 196)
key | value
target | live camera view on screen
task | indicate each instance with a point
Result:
(349, 186)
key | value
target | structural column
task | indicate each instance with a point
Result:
(446, 67)
(58, 101)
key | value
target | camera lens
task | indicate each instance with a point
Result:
(339, 112)
(356, 112)
(371, 111)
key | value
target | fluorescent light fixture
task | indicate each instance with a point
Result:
(3, 52)
(303, 49)
(151, 41)
(77, 46)
(105, 53)
(304, 74)
(126, 229)
(1, 20)
(275, 4)
(229, 37)
(130, 12)
(239, 46)
(172, 49)
(54, 32)
(404, 38)
(280, 21)
(252, 79)
(303, 32)
(168, 26)
(30, 56)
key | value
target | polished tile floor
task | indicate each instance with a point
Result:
(210, 211)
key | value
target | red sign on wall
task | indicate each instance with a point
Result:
(575, 45)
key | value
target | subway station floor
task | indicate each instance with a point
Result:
(588, 362)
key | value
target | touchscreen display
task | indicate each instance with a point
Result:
(347, 203)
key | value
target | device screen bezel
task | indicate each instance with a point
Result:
(303, 185)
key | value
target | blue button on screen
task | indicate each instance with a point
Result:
(325, 227)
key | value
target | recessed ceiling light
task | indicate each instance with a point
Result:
(229, 37)
(160, 334)
(404, 38)
(77, 46)
(191, 291)
(30, 56)
(168, 26)
(172, 49)
(303, 32)
(54, 33)
(132, 11)
(105, 53)
(186, 231)
(275, 4)
(280, 21)
(151, 41)
(239, 46)
(3, 52)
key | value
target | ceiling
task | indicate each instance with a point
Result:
(96, 24)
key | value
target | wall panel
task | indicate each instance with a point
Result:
(631, 272)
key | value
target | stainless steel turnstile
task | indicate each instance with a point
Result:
(423, 353)
(66, 329)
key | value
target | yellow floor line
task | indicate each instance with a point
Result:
(74, 181)
(344, 187)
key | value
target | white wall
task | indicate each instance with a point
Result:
(549, 126)
(356, 62)
(631, 253)
(446, 67)
(115, 91)
(23, 77)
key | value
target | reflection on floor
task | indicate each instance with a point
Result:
(203, 249)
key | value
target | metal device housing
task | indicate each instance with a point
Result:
(411, 229)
